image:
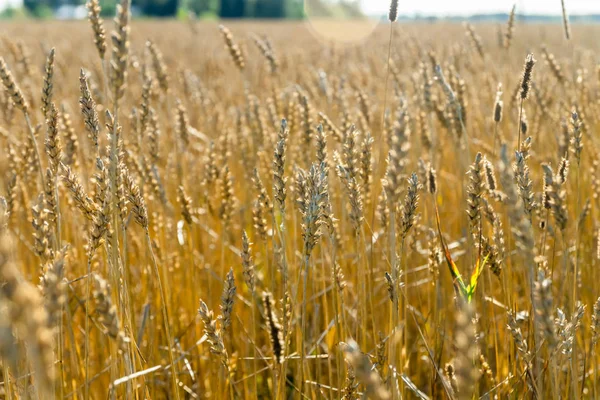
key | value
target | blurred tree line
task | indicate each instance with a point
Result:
(201, 8)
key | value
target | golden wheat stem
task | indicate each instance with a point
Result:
(336, 307)
(369, 280)
(165, 312)
(572, 371)
(58, 244)
(577, 243)
(387, 77)
(395, 305)
(361, 326)
(543, 244)
(272, 267)
(127, 308)
(7, 381)
(114, 245)
(221, 378)
(594, 358)
(326, 311)
(87, 325)
(104, 85)
(574, 358)
(223, 234)
(191, 246)
(565, 16)
(563, 288)
(268, 264)
(75, 356)
(37, 152)
(281, 229)
(254, 354)
(519, 126)
(231, 387)
(61, 346)
(495, 139)
(303, 327)
(406, 310)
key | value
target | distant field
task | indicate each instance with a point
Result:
(165, 235)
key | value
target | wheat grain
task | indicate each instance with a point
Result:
(94, 11)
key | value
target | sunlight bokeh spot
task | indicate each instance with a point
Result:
(344, 21)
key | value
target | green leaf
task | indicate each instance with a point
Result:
(459, 284)
(475, 277)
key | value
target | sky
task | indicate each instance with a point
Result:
(7, 3)
(467, 7)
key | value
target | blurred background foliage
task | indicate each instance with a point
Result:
(174, 8)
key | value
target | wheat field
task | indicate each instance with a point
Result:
(253, 211)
